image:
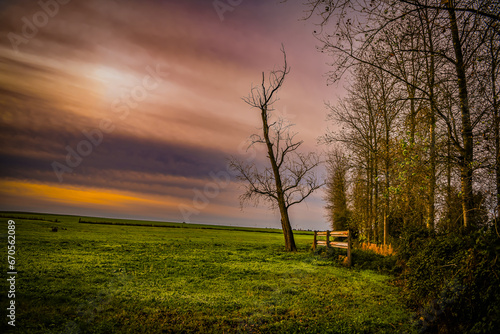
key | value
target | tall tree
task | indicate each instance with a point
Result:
(466, 160)
(290, 178)
(336, 190)
(350, 30)
(359, 114)
(494, 53)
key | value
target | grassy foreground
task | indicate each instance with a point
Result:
(91, 278)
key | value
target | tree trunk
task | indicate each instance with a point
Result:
(369, 196)
(467, 151)
(387, 176)
(432, 173)
(285, 220)
(432, 134)
(448, 183)
(496, 122)
(409, 182)
(375, 208)
(431, 78)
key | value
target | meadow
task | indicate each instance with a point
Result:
(97, 278)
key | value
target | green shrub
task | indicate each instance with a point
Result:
(361, 259)
(372, 261)
(452, 281)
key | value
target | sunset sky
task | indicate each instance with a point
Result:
(148, 95)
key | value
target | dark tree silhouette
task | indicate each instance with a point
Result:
(290, 178)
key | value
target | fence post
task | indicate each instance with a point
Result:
(327, 239)
(314, 243)
(349, 248)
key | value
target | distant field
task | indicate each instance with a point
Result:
(100, 278)
(114, 221)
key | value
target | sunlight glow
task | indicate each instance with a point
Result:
(72, 195)
(112, 82)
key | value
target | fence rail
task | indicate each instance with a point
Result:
(336, 244)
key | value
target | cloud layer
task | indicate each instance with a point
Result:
(148, 95)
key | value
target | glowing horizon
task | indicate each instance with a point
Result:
(131, 109)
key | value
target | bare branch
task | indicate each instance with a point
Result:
(290, 177)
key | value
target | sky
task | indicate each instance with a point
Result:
(131, 109)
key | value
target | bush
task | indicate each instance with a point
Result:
(379, 249)
(452, 281)
(361, 259)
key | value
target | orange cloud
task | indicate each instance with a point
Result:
(79, 196)
(69, 77)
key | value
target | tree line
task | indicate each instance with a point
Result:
(416, 140)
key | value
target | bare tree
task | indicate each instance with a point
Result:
(290, 178)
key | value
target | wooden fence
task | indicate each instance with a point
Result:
(334, 234)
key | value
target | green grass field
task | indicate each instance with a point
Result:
(92, 278)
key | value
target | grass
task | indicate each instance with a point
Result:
(99, 278)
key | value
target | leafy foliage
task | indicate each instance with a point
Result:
(338, 213)
(452, 280)
(361, 259)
